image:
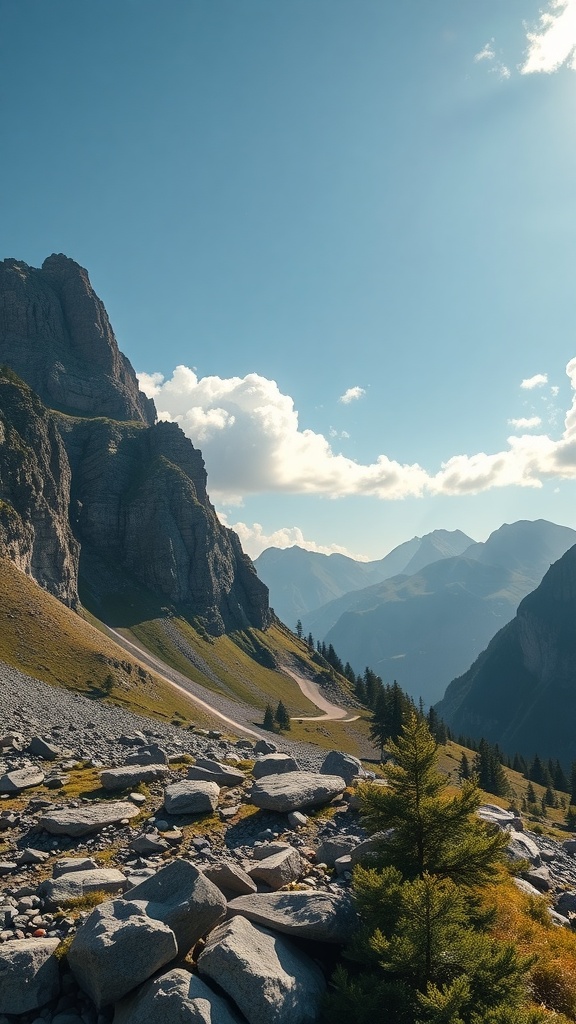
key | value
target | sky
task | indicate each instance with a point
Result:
(335, 238)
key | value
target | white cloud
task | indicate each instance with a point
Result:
(351, 395)
(486, 53)
(526, 423)
(554, 391)
(553, 44)
(255, 540)
(537, 381)
(252, 442)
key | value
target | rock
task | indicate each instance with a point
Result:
(565, 903)
(31, 856)
(150, 753)
(267, 849)
(526, 887)
(29, 974)
(65, 865)
(521, 847)
(265, 747)
(279, 869)
(15, 782)
(266, 976)
(191, 797)
(274, 764)
(295, 790)
(41, 748)
(221, 774)
(181, 897)
(540, 878)
(128, 776)
(330, 850)
(82, 821)
(314, 914)
(57, 891)
(149, 842)
(296, 819)
(337, 763)
(569, 845)
(117, 948)
(498, 816)
(230, 878)
(175, 998)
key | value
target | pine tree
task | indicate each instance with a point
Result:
(432, 832)
(299, 629)
(531, 794)
(268, 722)
(282, 717)
(464, 770)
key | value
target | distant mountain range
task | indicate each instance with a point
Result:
(301, 581)
(521, 690)
(425, 626)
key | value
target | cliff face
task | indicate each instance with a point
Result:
(103, 492)
(34, 492)
(55, 333)
(521, 691)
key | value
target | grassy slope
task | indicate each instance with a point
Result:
(42, 638)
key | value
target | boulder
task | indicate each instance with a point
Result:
(498, 816)
(29, 974)
(317, 915)
(185, 900)
(41, 748)
(191, 797)
(82, 821)
(221, 774)
(24, 778)
(565, 903)
(270, 981)
(521, 847)
(295, 790)
(569, 846)
(337, 763)
(175, 998)
(149, 754)
(64, 888)
(265, 747)
(66, 865)
(279, 869)
(230, 878)
(117, 948)
(274, 764)
(130, 776)
(331, 849)
(149, 842)
(540, 878)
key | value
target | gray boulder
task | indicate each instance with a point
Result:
(175, 998)
(521, 847)
(317, 915)
(149, 754)
(132, 775)
(191, 797)
(331, 849)
(274, 764)
(221, 774)
(295, 790)
(64, 888)
(185, 900)
(82, 821)
(565, 903)
(66, 865)
(117, 948)
(230, 878)
(540, 878)
(337, 763)
(279, 869)
(29, 974)
(24, 778)
(41, 748)
(270, 981)
(265, 747)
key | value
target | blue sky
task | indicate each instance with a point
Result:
(352, 223)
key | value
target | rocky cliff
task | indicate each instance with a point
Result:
(56, 335)
(94, 488)
(521, 691)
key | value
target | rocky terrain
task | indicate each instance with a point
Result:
(152, 874)
(94, 492)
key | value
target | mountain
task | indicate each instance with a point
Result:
(302, 581)
(426, 629)
(521, 690)
(93, 492)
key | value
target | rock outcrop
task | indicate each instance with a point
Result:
(56, 335)
(90, 485)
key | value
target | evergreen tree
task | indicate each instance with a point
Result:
(531, 794)
(491, 775)
(559, 778)
(299, 629)
(550, 798)
(268, 722)
(310, 642)
(432, 833)
(372, 683)
(282, 717)
(380, 721)
(464, 770)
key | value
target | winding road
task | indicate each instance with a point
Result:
(210, 701)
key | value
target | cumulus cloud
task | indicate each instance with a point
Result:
(553, 44)
(526, 423)
(252, 442)
(537, 381)
(255, 540)
(486, 53)
(351, 395)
